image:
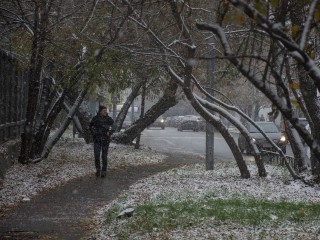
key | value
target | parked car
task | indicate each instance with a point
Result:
(169, 121)
(202, 124)
(271, 130)
(175, 121)
(159, 122)
(189, 122)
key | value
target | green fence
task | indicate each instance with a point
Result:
(275, 158)
(13, 98)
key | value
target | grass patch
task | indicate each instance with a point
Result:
(184, 214)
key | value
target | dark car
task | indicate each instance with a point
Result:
(271, 130)
(159, 122)
(189, 122)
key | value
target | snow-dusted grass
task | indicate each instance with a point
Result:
(68, 160)
(161, 212)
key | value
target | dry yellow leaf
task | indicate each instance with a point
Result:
(294, 86)
(239, 18)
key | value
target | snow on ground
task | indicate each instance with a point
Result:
(71, 160)
(193, 182)
(68, 160)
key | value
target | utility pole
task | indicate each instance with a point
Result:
(210, 84)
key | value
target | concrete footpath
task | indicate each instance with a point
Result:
(67, 211)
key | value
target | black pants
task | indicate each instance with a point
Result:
(101, 146)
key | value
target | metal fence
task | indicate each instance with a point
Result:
(13, 98)
(276, 159)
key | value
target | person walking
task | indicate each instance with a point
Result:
(100, 129)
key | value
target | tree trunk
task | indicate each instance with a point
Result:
(167, 101)
(260, 165)
(217, 123)
(297, 147)
(36, 64)
(84, 120)
(143, 97)
(309, 93)
(56, 136)
(44, 132)
(124, 110)
(307, 86)
(41, 119)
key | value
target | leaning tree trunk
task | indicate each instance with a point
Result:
(83, 117)
(216, 122)
(81, 122)
(256, 153)
(124, 110)
(84, 120)
(167, 101)
(56, 136)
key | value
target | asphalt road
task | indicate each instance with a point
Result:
(171, 140)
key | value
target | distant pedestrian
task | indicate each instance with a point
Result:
(100, 129)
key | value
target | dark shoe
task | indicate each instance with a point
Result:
(103, 174)
(97, 173)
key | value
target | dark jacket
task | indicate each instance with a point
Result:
(99, 127)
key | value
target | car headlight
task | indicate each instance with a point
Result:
(162, 120)
(254, 140)
(283, 139)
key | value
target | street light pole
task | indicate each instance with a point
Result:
(209, 127)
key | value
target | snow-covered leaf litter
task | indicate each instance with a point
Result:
(193, 182)
(67, 161)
